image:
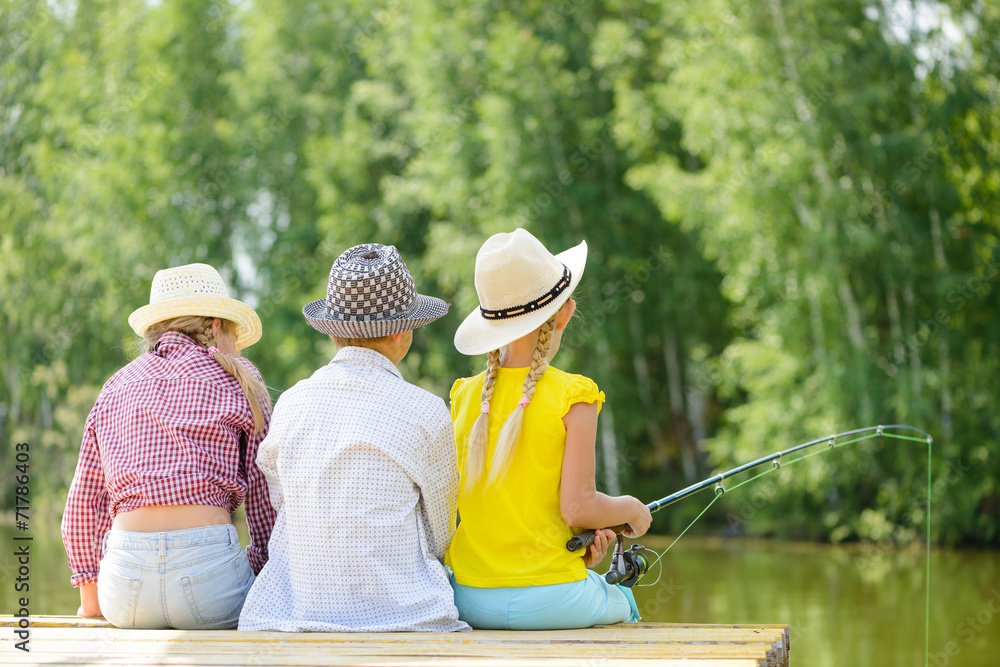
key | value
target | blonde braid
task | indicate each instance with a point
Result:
(200, 330)
(204, 336)
(511, 432)
(479, 435)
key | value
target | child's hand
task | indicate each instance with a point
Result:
(603, 537)
(639, 524)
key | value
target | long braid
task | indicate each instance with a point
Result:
(200, 329)
(511, 432)
(479, 435)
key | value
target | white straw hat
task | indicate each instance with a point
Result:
(520, 286)
(371, 294)
(198, 290)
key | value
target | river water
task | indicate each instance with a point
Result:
(846, 605)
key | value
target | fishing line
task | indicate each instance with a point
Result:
(658, 574)
(712, 502)
(777, 464)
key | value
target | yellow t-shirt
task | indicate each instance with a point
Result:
(514, 534)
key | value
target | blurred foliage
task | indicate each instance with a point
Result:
(792, 210)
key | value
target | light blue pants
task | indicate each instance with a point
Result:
(579, 604)
(186, 579)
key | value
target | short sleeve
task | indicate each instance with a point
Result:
(582, 390)
(453, 396)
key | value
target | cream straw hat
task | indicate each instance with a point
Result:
(195, 289)
(520, 286)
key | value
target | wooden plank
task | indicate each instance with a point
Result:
(125, 640)
(79, 622)
(756, 651)
(599, 634)
(379, 661)
(785, 630)
(602, 636)
(175, 654)
(678, 632)
(73, 640)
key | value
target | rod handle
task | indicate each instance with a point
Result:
(586, 538)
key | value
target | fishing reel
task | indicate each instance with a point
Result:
(627, 566)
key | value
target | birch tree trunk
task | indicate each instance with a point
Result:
(649, 407)
(610, 456)
(682, 429)
(609, 452)
(943, 351)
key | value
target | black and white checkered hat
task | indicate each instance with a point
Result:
(371, 294)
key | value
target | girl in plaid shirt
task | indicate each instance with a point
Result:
(168, 454)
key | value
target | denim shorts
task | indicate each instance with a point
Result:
(185, 579)
(578, 604)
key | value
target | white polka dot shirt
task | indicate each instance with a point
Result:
(361, 468)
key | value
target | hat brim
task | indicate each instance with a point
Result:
(425, 310)
(477, 335)
(246, 319)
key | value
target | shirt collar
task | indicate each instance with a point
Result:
(170, 341)
(363, 355)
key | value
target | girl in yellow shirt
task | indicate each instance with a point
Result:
(525, 433)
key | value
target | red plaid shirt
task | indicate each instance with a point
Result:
(170, 428)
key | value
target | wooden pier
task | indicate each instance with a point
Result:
(68, 640)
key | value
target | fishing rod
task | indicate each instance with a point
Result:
(627, 566)
(586, 538)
